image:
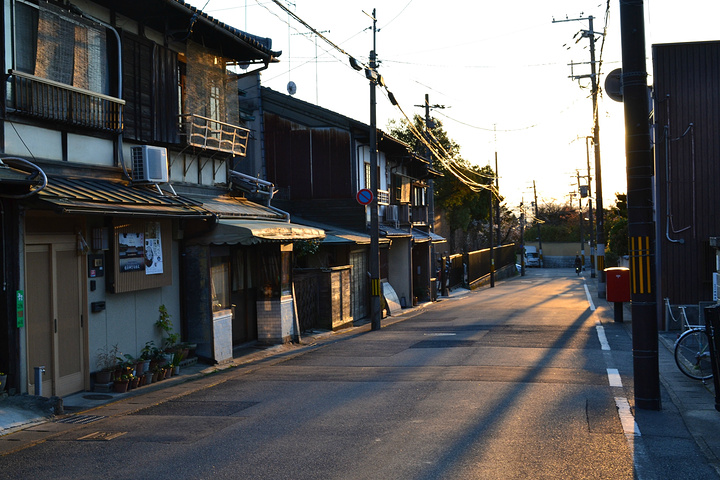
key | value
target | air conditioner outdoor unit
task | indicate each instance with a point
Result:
(391, 213)
(149, 164)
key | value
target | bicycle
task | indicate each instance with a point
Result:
(692, 347)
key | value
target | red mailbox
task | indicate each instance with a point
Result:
(618, 284)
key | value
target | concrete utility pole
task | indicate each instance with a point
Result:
(374, 269)
(590, 211)
(582, 236)
(497, 189)
(641, 222)
(537, 220)
(522, 238)
(600, 230)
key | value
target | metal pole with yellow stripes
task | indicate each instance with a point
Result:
(641, 221)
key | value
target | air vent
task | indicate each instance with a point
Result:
(149, 164)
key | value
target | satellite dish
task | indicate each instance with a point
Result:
(291, 87)
(613, 85)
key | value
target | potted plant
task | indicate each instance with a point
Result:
(177, 358)
(120, 384)
(106, 363)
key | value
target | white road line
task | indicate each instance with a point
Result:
(614, 377)
(589, 297)
(604, 345)
(626, 418)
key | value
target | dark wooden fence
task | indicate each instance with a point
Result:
(472, 268)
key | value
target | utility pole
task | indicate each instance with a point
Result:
(641, 222)
(375, 287)
(492, 250)
(582, 237)
(600, 230)
(522, 237)
(497, 189)
(431, 182)
(590, 211)
(537, 220)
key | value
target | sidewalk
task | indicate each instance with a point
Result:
(20, 412)
(692, 400)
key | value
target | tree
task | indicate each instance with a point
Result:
(616, 230)
(559, 223)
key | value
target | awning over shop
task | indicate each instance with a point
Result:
(104, 197)
(251, 232)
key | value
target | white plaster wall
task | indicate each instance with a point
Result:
(43, 143)
(129, 318)
(398, 268)
(90, 150)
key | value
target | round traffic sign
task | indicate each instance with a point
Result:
(364, 196)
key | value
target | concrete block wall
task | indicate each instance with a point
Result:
(275, 320)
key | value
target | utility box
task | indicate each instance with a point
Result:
(618, 284)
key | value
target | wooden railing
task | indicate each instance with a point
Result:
(212, 134)
(49, 100)
(419, 214)
(383, 197)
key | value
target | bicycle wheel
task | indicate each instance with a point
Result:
(692, 354)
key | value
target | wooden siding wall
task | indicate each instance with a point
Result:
(308, 163)
(687, 167)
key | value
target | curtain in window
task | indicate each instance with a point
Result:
(51, 43)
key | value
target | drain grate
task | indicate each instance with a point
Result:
(105, 436)
(81, 419)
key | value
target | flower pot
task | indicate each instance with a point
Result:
(120, 386)
(3, 381)
(103, 377)
(176, 370)
(149, 376)
(135, 382)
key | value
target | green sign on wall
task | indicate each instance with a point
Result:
(20, 302)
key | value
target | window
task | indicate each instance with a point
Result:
(53, 44)
(220, 282)
(401, 189)
(151, 79)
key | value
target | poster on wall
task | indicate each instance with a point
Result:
(153, 249)
(131, 251)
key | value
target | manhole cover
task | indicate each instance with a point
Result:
(97, 396)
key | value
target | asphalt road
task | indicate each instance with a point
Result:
(520, 381)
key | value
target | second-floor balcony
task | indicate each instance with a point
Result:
(212, 134)
(37, 97)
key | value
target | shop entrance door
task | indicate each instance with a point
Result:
(54, 314)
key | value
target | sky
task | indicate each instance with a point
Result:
(498, 72)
